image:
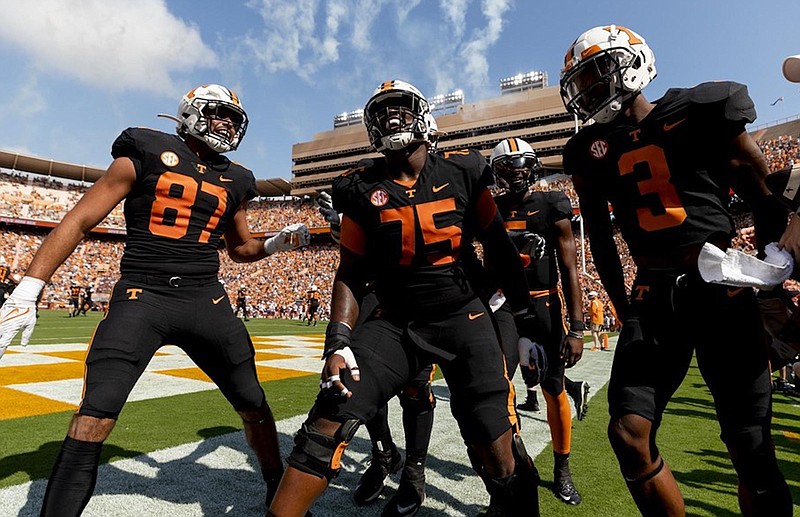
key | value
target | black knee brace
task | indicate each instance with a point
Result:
(319, 454)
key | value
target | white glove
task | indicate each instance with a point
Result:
(325, 203)
(19, 312)
(291, 237)
(497, 300)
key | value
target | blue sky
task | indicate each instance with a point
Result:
(76, 73)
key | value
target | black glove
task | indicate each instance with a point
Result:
(529, 243)
(535, 246)
(330, 214)
(337, 337)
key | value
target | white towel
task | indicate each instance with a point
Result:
(736, 268)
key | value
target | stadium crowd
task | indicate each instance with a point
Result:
(276, 289)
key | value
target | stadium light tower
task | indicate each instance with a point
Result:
(446, 103)
(348, 118)
(522, 82)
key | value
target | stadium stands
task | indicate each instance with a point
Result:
(30, 205)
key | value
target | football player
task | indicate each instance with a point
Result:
(241, 303)
(75, 298)
(406, 216)
(667, 169)
(312, 297)
(540, 225)
(182, 194)
(5, 280)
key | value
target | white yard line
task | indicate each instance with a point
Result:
(217, 476)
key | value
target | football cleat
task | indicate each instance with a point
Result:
(531, 403)
(371, 484)
(565, 490)
(410, 493)
(579, 392)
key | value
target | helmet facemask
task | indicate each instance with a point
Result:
(596, 88)
(516, 173)
(605, 68)
(200, 108)
(395, 119)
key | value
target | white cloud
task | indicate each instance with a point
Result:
(455, 12)
(112, 44)
(447, 43)
(473, 52)
(27, 101)
(290, 39)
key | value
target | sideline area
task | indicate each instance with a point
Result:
(216, 476)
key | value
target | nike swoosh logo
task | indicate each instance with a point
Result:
(669, 127)
(440, 187)
(225, 180)
(734, 292)
(402, 510)
(475, 315)
(15, 313)
(217, 300)
(534, 212)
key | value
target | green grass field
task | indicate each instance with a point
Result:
(688, 439)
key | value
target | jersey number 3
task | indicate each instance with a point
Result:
(178, 209)
(658, 183)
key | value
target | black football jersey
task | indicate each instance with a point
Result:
(74, 291)
(180, 206)
(5, 273)
(412, 235)
(539, 213)
(666, 177)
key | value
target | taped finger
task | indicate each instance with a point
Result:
(344, 391)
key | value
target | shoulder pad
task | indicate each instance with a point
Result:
(732, 96)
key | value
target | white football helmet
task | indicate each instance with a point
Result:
(397, 115)
(603, 68)
(207, 102)
(515, 165)
(433, 132)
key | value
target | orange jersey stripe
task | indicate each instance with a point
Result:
(487, 209)
(353, 236)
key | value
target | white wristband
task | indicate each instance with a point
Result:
(28, 289)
